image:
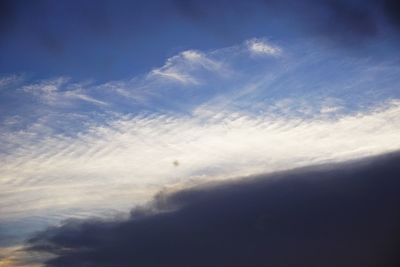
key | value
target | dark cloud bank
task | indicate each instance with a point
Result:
(333, 215)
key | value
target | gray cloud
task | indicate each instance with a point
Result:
(332, 215)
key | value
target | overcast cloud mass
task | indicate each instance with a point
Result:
(335, 215)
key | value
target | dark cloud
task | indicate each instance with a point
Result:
(338, 215)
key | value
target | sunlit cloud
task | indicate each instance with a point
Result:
(15, 256)
(181, 68)
(261, 47)
(134, 157)
(56, 92)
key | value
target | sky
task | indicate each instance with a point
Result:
(176, 117)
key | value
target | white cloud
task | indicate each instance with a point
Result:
(183, 67)
(50, 92)
(261, 47)
(174, 74)
(126, 162)
(6, 81)
(79, 94)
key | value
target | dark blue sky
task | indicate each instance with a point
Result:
(110, 40)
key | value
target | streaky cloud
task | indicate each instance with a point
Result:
(133, 156)
(182, 67)
(51, 94)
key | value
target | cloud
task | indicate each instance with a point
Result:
(328, 215)
(133, 156)
(15, 256)
(79, 94)
(6, 81)
(182, 67)
(174, 75)
(260, 48)
(57, 92)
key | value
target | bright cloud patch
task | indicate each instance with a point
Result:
(260, 47)
(49, 92)
(134, 157)
(181, 68)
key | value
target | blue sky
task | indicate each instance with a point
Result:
(99, 99)
(115, 40)
(112, 40)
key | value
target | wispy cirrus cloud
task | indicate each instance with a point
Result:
(182, 67)
(57, 92)
(260, 47)
(10, 80)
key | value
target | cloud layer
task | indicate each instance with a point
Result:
(137, 154)
(332, 215)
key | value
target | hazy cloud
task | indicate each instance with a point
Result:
(261, 47)
(182, 67)
(56, 92)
